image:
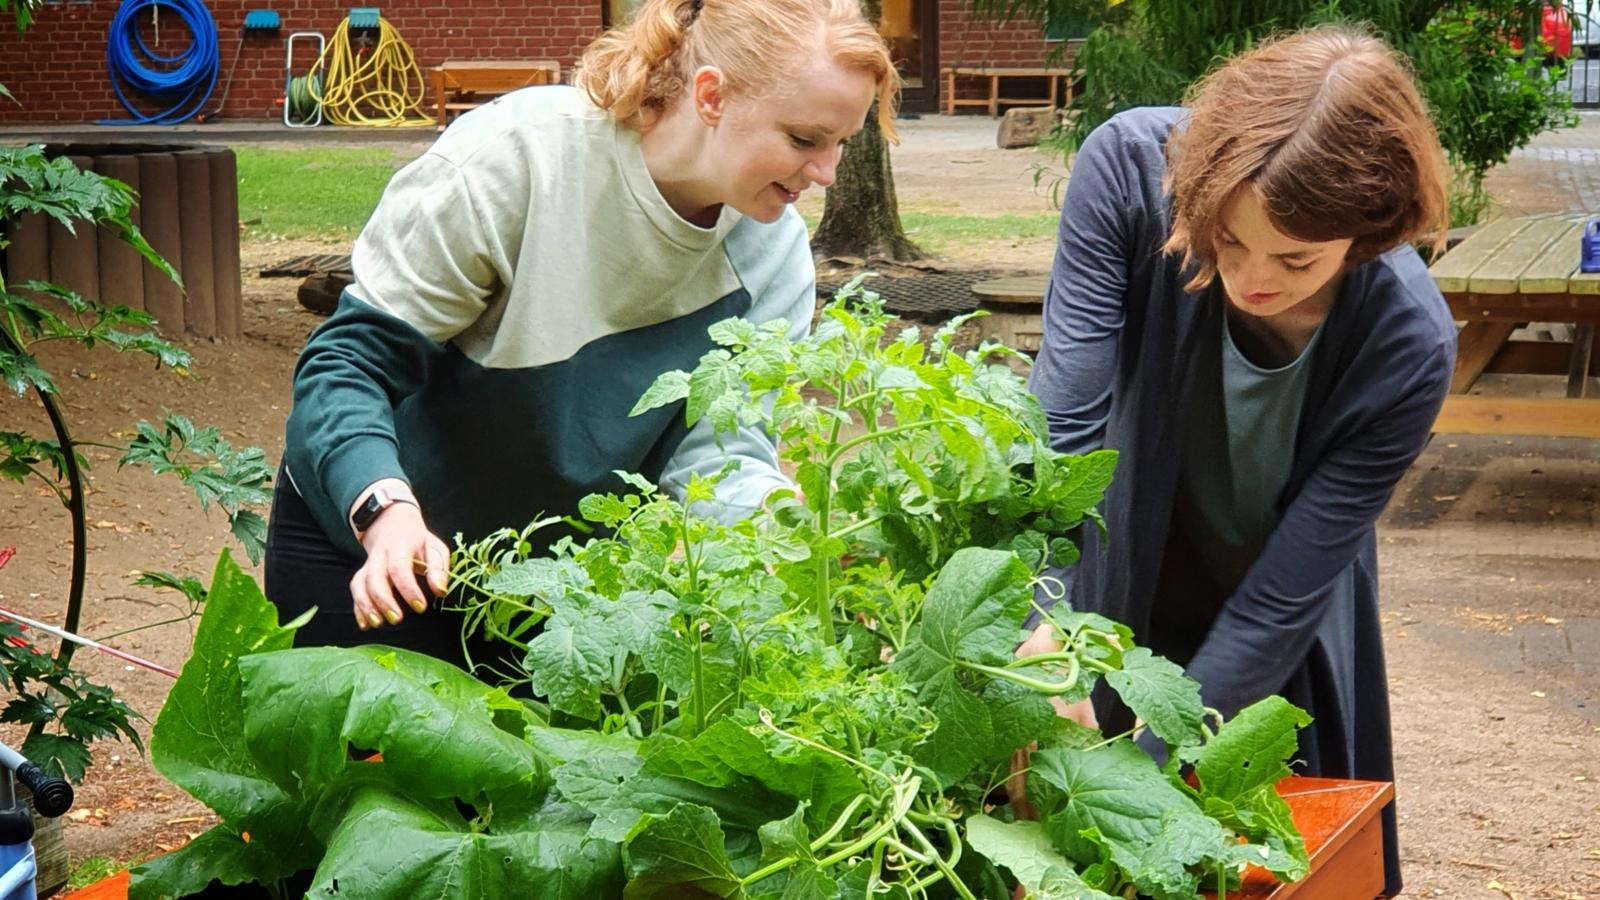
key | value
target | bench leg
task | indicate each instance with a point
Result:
(1476, 345)
(994, 96)
(949, 93)
(439, 94)
(1052, 80)
(1578, 366)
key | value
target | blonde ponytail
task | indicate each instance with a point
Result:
(642, 67)
(634, 67)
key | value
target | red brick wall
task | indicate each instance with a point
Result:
(967, 39)
(57, 69)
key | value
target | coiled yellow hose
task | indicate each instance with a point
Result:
(383, 90)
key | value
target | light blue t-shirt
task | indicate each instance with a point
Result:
(1238, 453)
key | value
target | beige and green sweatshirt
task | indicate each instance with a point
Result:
(517, 289)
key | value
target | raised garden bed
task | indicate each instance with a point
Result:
(1344, 837)
(1339, 819)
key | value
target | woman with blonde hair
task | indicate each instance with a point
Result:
(523, 282)
(1237, 308)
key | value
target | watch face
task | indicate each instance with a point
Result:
(369, 510)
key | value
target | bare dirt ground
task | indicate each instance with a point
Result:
(1490, 560)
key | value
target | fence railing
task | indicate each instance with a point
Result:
(1582, 76)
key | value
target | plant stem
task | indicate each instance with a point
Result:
(1048, 688)
(766, 719)
(839, 824)
(80, 520)
(634, 728)
(882, 828)
(834, 452)
(127, 631)
(51, 483)
(1112, 740)
(857, 526)
(906, 851)
(847, 446)
(949, 870)
(697, 700)
(823, 598)
(878, 832)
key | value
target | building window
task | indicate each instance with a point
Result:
(616, 12)
(901, 26)
(1067, 27)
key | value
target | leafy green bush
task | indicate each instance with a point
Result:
(820, 701)
(1487, 98)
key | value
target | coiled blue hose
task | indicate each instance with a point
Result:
(183, 81)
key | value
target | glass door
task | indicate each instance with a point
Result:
(912, 29)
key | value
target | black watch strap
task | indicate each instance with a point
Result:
(369, 510)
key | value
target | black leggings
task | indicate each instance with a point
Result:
(304, 569)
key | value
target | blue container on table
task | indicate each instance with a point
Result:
(1589, 247)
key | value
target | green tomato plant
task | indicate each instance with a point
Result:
(821, 700)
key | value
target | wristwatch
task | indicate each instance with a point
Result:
(369, 510)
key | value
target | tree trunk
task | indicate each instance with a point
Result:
(860, 215)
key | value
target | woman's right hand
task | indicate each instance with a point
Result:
(399, 546)
(1043, 640)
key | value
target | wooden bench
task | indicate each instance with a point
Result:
(994, 100)
(462, 85)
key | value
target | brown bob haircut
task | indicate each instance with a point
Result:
(1327, 127)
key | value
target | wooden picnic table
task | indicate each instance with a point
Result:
(1514, 271)
(459, 84)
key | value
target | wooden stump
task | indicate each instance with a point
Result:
(1016, 310)
(187, 207)
(320, 293)
(158, 173)
(75, 255)
(121, 266)
(1024, 127)
(194, 242)
(224, 171)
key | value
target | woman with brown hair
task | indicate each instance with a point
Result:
(1237, 308)
(523, 282)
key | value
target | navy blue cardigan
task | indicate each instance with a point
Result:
(1120, 335)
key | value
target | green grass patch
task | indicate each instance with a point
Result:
(329, 192)
(313, 192)
(88, 871)
(940, 232)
